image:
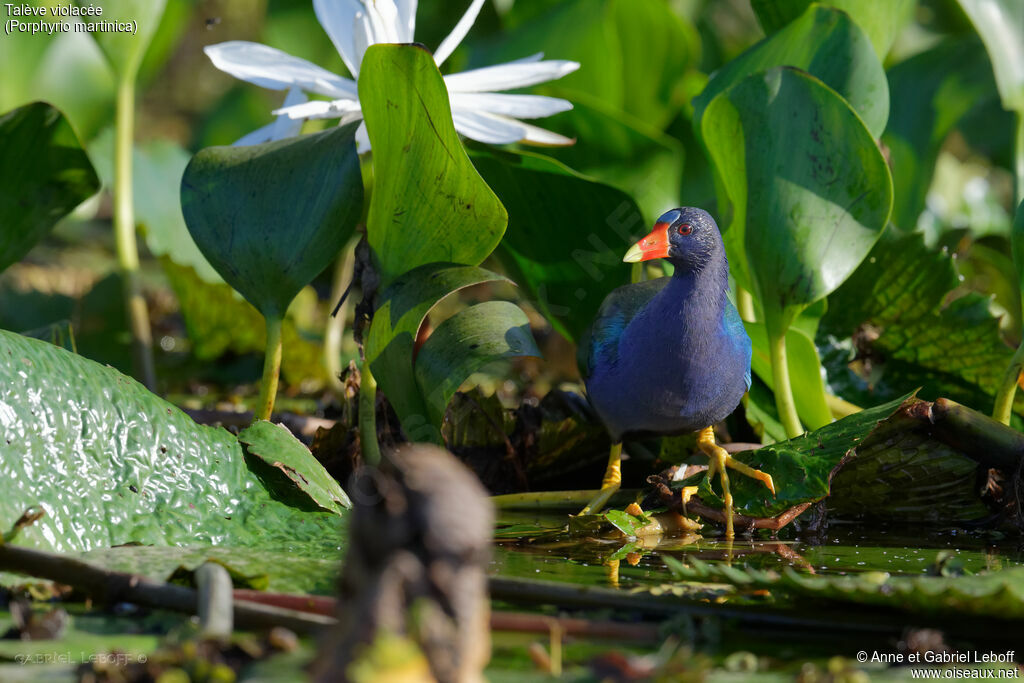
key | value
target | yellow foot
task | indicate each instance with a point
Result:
(612, 482)
(719, 460)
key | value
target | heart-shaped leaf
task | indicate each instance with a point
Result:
(44, 174)
(271, 217)
(810, 189)
(429, 204)
(466, 342)
(829, 45)
(390, 343)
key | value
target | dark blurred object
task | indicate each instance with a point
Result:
(419, 544)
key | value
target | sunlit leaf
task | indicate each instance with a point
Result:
(111, 463)
(827, 44)
(428, 203)
(804, 372)
(810, 189)
(44, 174)
(880, 19)
(125, 39)
(271, 217)
(465, 343)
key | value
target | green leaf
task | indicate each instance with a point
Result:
(804, 372)
(880, 19)
(566, 235)
(276, 446)
(428, 204)
(802, 468)
(390, 343)
(465, 343)
(111, 463)
(1017, 245)
(270, 217)
(44, 174)
(931, 92)
(825, 43)
(124, 47)
(811, 191)
(910, 337)
(1000, 23)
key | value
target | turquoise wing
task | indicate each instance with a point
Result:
(600, 344)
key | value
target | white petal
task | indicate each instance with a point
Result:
(383, 16)
(544, 138)
(271, 68)
(507, 76)
(282, 127)
(318, 109)
(448, 45)
(336, 17)
(362, 139)
(407, 17)
(520, 106)
(362, 35)
(483, 127)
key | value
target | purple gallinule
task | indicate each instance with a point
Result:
(670, 355)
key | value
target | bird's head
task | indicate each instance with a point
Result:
(688, 237)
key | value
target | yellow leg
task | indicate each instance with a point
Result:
(611, 483)
(719, 461)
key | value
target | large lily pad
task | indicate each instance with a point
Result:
(271, 217)
(44, 174)
(110, 463)
(805, 220)
(429, 204)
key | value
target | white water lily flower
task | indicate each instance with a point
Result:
(478, 112)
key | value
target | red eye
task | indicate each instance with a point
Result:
(685, 229)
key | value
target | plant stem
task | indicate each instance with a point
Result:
(335, 332)
(368, 416)
(271, 367)
(745, 304)
(783, 389)
(124, 233)
(1008, 388)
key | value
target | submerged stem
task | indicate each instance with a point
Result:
(271, 367)
(124, 233)
(368, 416)
(783, 388)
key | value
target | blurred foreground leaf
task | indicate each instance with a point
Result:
(111, 463)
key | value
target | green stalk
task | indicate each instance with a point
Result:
(271, 367)
(124, 232)
(1008, 387)
(776, 327)
(368, 416)
(745, 304)
(335, 332)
